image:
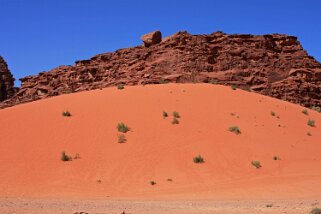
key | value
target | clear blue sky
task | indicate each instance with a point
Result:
(38, 35)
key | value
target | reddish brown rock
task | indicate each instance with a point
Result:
(152, 38)
(6, 81)
(275, 65)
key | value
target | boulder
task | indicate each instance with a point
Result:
(152, 38)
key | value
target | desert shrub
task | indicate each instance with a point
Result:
(269, 205)
(165, 114)
(67, 91)
(65, 157)
(309, 134)
(315, 211)
(273, 113)
(235, 129)
(121, 127)
(175, 121)
(77, 156)
(233, 87)
(176, 114)
(214, 82)
(304, 111)
(152, 183)
(276, 158)
(316, 108)
(120, 87)
(66, 114)
(169, 179)
(256, 164)
(198, 159)
(311, 123)
(122, 138)
(162, 81)
(246, 88)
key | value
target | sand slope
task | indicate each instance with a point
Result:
(33, 136)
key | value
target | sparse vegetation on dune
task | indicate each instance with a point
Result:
(276, 158)
(234, 87)
(152, 183)
(122, 138)
(198, 159)
(176, 114)
(256, 164)
(120, 87)
(273, 113)
(165, 114)
(65, 157)
(311, 123)
(122, 127)
(175, 121)
(234, 129)
(304, 111)
(113, 139)
(66, 114)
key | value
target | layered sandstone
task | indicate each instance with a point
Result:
(275, 65)
(6, 81)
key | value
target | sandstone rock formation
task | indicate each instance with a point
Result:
(152, 38)
(6, 81)
(275, 65)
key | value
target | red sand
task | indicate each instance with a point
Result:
(33, 136)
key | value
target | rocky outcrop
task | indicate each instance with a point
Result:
(152, 38)
(274, 65)
(6, 81)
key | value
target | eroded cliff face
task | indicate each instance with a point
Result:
(274, 65)
(6, 81)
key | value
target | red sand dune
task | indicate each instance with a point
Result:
(33, 136)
